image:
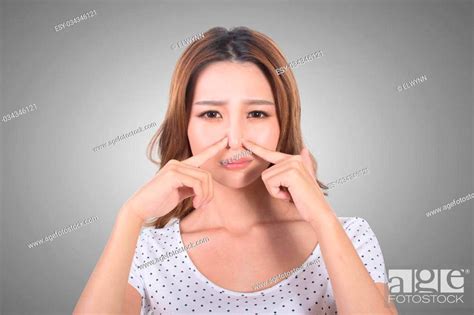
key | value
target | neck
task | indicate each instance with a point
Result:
(237, 210)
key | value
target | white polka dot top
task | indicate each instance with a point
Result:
(169, 283)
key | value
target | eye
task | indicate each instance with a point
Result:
(206, 116)
(262, 114)
(211, 114)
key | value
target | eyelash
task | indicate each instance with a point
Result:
(265, 115)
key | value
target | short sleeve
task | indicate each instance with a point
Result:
(135, 279)
(367, 246)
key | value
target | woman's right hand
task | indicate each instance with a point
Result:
(174, 182)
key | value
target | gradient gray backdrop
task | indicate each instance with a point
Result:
(110, 74)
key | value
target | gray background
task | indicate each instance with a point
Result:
(110, 74)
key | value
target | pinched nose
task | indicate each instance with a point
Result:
(234, 141)
(235, 132)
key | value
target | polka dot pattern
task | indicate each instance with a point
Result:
(176, 286)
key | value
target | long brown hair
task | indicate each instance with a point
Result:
(239, 44)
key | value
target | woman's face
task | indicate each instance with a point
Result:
(233, 100)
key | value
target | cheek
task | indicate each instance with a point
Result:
(196, 139)
(201, 136)
(267, 136)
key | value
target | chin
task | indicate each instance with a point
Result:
(236, 180)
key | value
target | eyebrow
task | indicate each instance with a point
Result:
(247, 102)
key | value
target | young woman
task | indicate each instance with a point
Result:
(237, 185)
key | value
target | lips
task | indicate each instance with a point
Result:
(237, 165)
(241, 157)
(241, 160)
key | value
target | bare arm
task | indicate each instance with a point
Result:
(354, 289)
(106, 289)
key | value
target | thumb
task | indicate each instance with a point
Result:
(185, 192)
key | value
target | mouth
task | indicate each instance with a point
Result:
(239, 160)
(239, 164)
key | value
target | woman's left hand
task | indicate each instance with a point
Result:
(296, 173)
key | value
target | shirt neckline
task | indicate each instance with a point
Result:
(268, 290)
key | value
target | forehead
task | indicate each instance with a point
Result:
(226, 79)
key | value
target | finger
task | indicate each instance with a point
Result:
(186, 180)
(211, 192)
(175, 165)
(283, 194)
(268, 155)
(199, 159)
(289, 171)
(186, 192)
(202, 175)
(292, 163)
(277, 189)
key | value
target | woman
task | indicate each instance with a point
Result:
(244, 195)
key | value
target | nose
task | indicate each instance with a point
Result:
(234, 141)
(234, 135)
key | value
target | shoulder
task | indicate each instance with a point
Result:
(359, 232)
(355, 226)
(152, 238)
(367, 246)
